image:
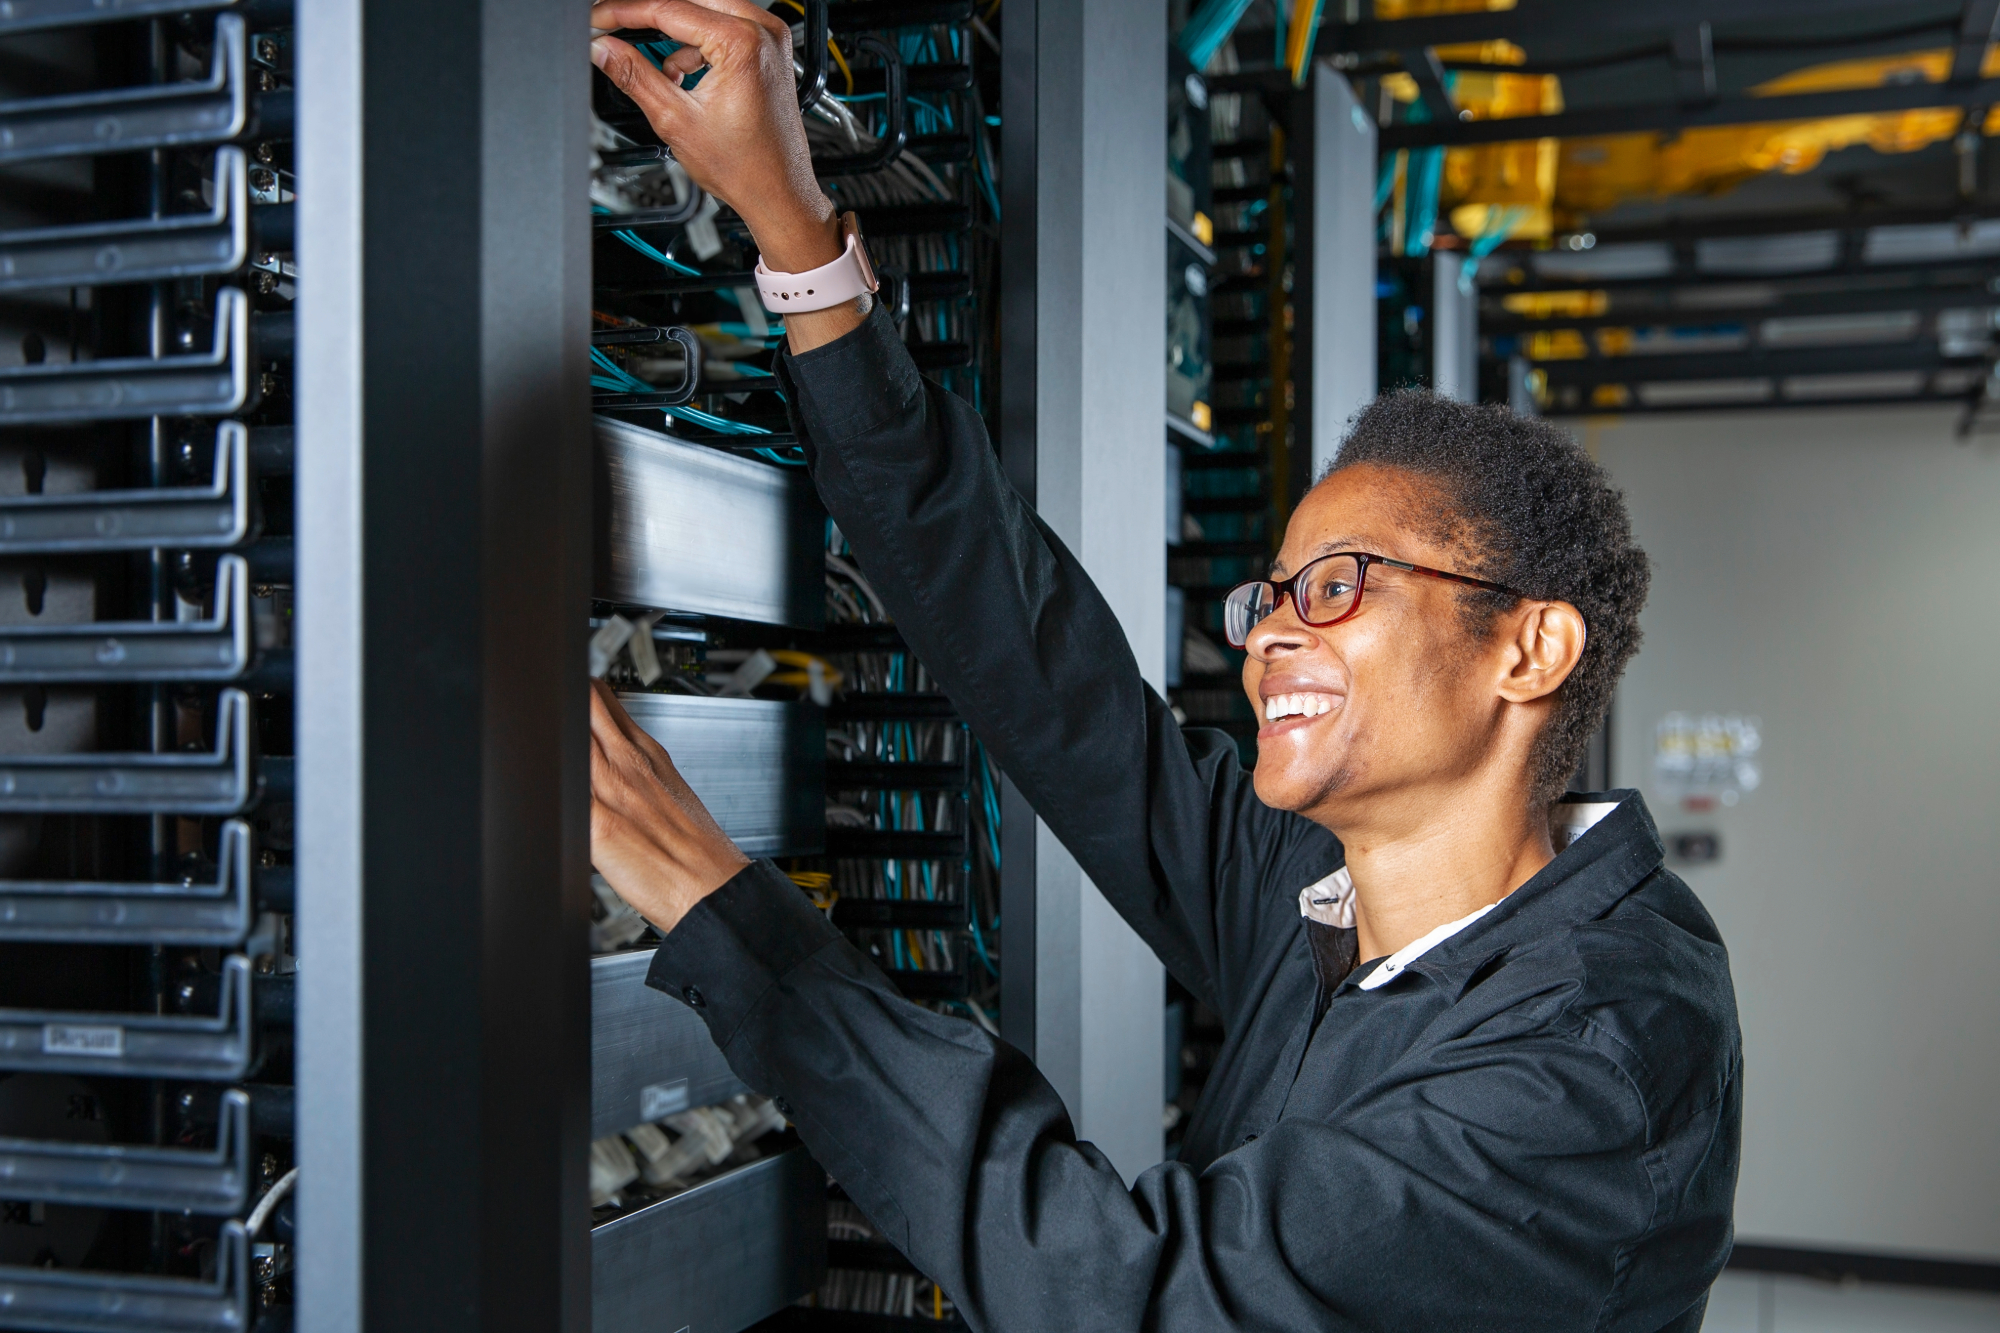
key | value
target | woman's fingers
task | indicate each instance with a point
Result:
(724, 30)
(664, 101)
(647, 750)
(682, 63)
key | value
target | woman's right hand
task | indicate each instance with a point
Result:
(738, 132)
(650, 836)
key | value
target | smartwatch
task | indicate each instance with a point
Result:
(822, 288)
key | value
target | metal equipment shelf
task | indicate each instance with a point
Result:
(650, 1055)
(757, 764)
(760, 1231)
(698, 530)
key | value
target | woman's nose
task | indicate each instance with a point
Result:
(1279, 633)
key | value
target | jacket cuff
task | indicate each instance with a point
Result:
(858, 383)
(736, 944)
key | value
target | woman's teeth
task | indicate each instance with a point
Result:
(1296, 705)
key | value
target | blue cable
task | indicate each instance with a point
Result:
(716, 423)
(632, 239)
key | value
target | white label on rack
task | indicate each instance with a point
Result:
(71, 1039)
(657, 1101)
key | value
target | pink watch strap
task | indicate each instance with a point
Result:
(822, 288)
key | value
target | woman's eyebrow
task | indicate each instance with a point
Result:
(1278, 575)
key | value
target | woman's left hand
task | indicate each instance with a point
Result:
(650, 835)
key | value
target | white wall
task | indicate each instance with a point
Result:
(1101, 129)
(1769, 1303)
(1837, 574)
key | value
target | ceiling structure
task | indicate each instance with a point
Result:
(1698, 203)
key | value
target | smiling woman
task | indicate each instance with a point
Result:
(1488, 1025)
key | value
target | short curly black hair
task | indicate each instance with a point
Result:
(1528, 508)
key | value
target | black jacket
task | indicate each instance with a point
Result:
(1534, 1127)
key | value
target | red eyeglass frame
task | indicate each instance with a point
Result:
(1290, 587)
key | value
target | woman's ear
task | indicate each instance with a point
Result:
(1548, 639)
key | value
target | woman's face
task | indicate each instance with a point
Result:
(1397, 699)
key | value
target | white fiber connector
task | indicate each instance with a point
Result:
(612, 1168)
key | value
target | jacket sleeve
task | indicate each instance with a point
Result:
(1167, 826)
(1408, 1211)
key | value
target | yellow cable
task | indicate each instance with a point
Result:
(1299, 40)
(834, 47)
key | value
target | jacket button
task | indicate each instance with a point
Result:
(784, 1107)
(693, 997)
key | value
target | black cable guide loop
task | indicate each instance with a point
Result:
(894, 135)
(895, 293)
(813, 60)
(679, 395)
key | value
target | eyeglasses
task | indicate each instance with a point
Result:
(1326, 592)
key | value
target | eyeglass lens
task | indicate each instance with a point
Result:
(1327, 591)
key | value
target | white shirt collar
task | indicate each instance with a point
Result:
(1330, 901)
(1392, 967)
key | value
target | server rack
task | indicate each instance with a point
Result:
(1233, 484)
(671, 505)
(348, 255)
(730, 616)
(147, 953)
